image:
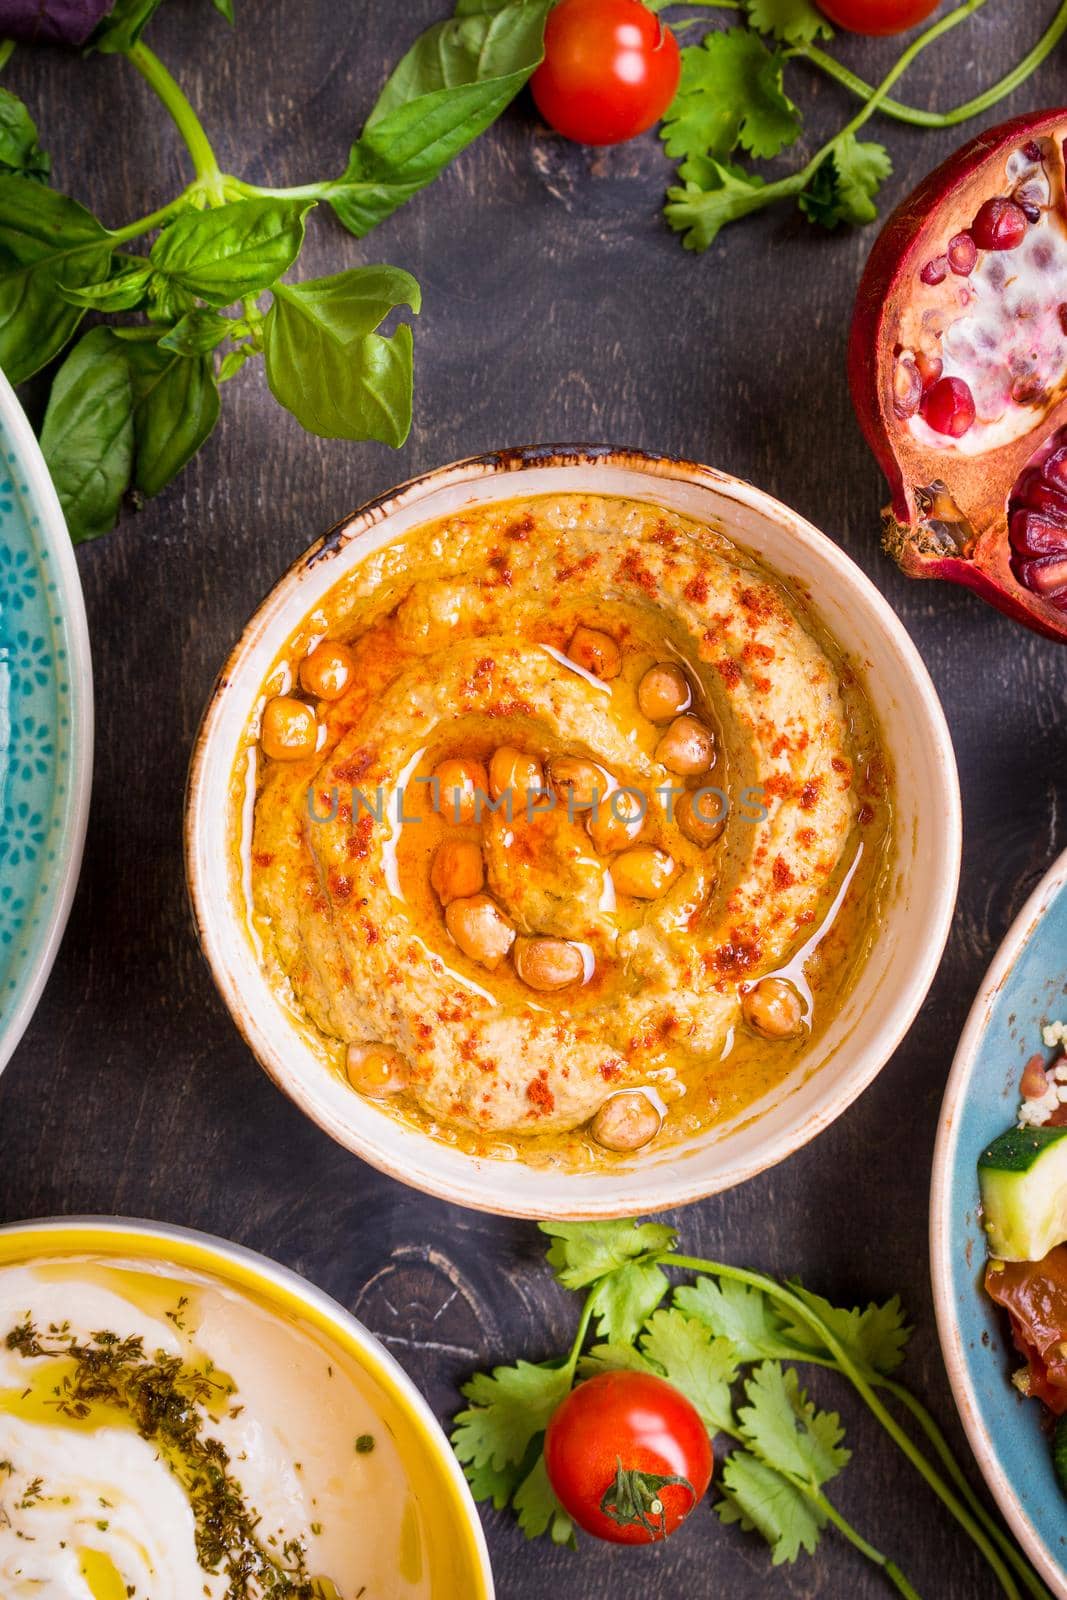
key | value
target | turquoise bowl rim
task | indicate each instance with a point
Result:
(1003, 1430)
(59, 877)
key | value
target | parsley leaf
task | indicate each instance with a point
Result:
(509, 1406)
(582, 1252)
(794, 21)
(701, 1366)
(785, 1430)
(845, 183)
(737, 1312)
(730, 93)
(875, 1338)
(764, 1502)
(715, 193)
(538, 1509)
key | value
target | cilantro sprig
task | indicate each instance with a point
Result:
(732, 1340)
(732, 98)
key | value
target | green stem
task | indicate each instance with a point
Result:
(185, 118)
(854, 1537)
(962, 113)
(586, 1317)
(863, 1387)
(7, 50)
(688, 5)
(155, 219)
(300, 191)
(878, 95)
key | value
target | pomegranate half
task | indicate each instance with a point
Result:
(958, 368)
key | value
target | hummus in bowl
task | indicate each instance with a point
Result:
(179, 1417)
(558, 823)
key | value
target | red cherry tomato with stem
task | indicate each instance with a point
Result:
(628, 1457)
(610, 71)
(878, 16)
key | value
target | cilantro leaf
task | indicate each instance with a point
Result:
(700, 1365)
(582, 1252)
(785, 1430)
(875, 1338)
(714, 194)
(626, 1298)
(764, 1502)
(497, 1484)
(794, 21)
(730, 93)
(737, 1312)
(538, 1509)
(508, 1407)
(612, 1358)
(845, 183)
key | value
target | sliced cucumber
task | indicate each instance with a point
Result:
(1023, 1178)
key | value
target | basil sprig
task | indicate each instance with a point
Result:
(134, 400)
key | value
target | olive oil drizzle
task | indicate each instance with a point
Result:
(164, 1398)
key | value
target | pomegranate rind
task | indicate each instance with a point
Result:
(918, 231)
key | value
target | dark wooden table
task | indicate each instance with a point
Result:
(557, 307)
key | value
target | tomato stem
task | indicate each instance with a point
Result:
(962, 113)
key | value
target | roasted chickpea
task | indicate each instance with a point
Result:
(617, 821)
(643, 872)
(289, 729)
(774, 1009)
(460, 782)
(687, 747)
(457, 870)
(548, 963)
(626, 1121)
(664, 692)
(513, 770)
(595, 651)
(327, 671)
(698, 817)
(580, 783)
(480, 929)
(376, 1070)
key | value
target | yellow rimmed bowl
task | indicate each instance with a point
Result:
(451, 1539)
(887, 992)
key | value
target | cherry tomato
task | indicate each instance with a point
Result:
(877, 16)
(610, 70)
(628, 1457)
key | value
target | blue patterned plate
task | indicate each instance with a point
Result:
(46, 723)
(1025, 987)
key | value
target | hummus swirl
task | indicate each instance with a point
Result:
(460, 633)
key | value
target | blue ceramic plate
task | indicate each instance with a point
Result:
(1025, 987)
(46, 727)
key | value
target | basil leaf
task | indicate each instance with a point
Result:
(46, 240)
(233, 250)
(196, 333)
(233, 361)
(453, 82)
(87, 437)
(176, 405)
(126, 290)
(19, 150)
(122, 29)
(327, 365)
(67, 22)
(224, 8)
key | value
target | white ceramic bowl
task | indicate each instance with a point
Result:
(884, 999)
(454, 1548)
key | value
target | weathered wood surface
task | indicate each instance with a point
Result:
(557, 307)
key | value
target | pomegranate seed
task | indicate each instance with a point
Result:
(1034, 535)
(1054, 470)
(1062, 314)
(1032, 150)
(929, 368)
(1048, 578)
(948, 407)
(962, 254)
(907, 389)
(999, 225)
(1048, 501)
(935, 270)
